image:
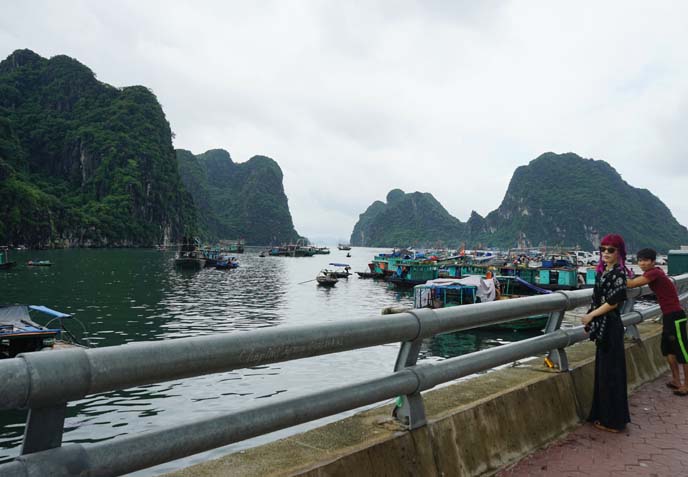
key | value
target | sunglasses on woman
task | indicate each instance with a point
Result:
(608, 249)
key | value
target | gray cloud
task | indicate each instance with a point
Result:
(355, 98)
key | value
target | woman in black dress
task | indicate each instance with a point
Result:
(603, 321)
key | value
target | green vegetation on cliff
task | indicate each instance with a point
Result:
(82, 162)
(234, 201)
(565, 199)
(557, 199)
(414, 219)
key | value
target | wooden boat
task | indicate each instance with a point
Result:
(189, 256)
(262, 254)
(4, 259)
(370, 275)
(39, 263)
(326, 278)
(19, 334)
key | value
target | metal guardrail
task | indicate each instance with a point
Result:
(45, 382)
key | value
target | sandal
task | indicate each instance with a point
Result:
(602, 427)
(681, 392)
(671, 385)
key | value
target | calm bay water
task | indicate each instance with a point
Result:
(127, 295)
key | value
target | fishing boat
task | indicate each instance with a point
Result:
(342, 270)
(232, 246)
(343, 246)
(557, 273)
(410, 273)
(39, 263)
(326, 278)
(369, 275)
(189, 256)
(321, 250)
(299, 249)
(20, 334)
(448, 292)
(5, 262)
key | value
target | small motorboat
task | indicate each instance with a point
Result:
(39, 263)
(262, 254)
(326, 278)
(226, 263)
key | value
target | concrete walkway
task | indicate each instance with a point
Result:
(655, 443)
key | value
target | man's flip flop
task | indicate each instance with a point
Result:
(671, 385)
(679, 392)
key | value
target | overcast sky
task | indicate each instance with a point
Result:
(353, 99)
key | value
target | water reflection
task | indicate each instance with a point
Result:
(449, 345)
(136, 295)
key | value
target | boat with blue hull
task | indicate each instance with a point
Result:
(226, 262)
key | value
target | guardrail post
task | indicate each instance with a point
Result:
(409, 409)
(44, 428)
(631, 330)
(558, 356)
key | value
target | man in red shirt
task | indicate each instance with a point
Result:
(674, 345)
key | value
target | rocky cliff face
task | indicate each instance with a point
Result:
(557, 199)
(85, 163)
(244, 200)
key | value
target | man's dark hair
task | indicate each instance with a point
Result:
(647, 254)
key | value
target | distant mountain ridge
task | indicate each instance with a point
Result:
(235, 201)
(557, 199)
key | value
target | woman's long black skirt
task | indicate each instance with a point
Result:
(610, 398)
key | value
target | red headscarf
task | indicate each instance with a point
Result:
(614, 240)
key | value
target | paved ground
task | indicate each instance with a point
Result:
(655, 443)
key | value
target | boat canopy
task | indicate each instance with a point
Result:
(49, 311)
(15, 320)
(340, 264)
(485, 287)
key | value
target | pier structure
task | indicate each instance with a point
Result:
(466, 428)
